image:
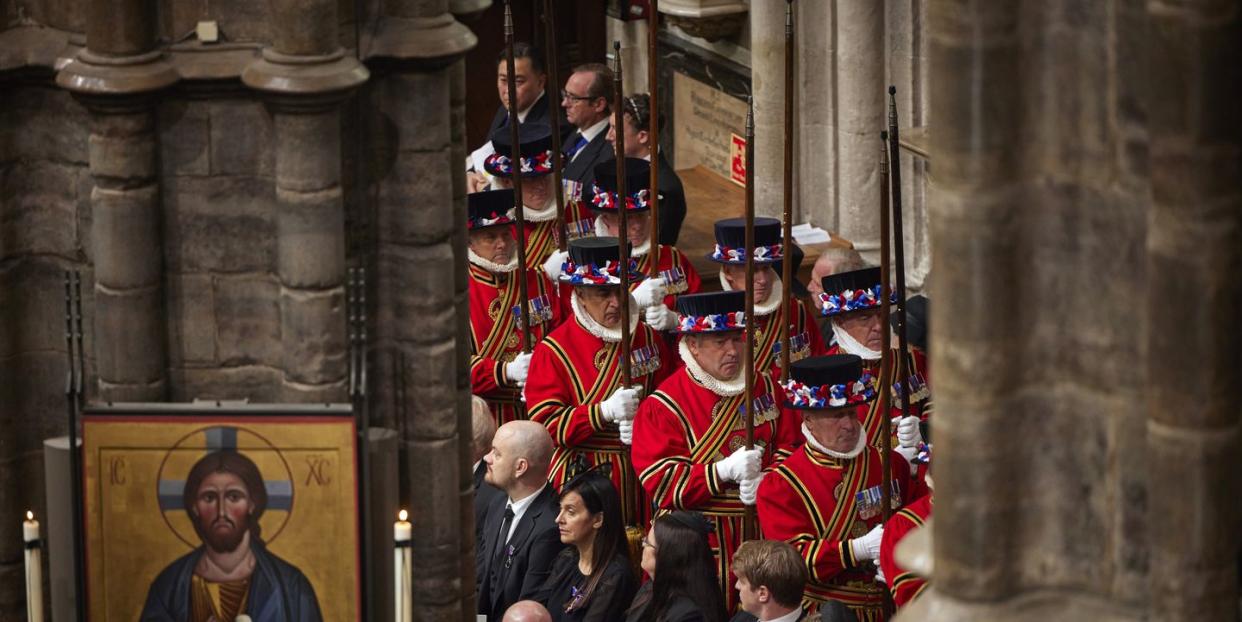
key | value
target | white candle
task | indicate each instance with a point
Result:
(403, 575)
(34, 569)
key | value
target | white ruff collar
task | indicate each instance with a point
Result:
(588, 323)
(851, 345)
(723, 388)
(849, 455)
(491, 266)
(767, 307)
(637, 251)
(543, 214)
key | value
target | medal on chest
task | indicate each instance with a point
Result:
(540, 309)
(799, 347)
(674, 281)
(870, 502)
(644, 360)
(918, 390)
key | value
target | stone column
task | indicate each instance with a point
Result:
(1194, 248)
(305, 75)
(767, 83)
(114, 78)
(861, 105)
(417, 183)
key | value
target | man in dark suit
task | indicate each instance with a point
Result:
(770, 578)
(636, 116)
(514, 552)
(483, 428)
(587, 99)
(534, 102)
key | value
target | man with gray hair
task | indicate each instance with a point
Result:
(483, 428)
(832, 260)
(519, 539)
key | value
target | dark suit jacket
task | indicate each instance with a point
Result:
(506, 579)
(484, 494)
(582, 169)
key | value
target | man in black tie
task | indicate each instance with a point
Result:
(533, 105)
(519, 540)
(586, 98)
(483, 428)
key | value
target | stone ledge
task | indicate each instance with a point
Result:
(428, 43)
(35, 47)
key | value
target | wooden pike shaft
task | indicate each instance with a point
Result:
(623, 247)
(748, 361)
(515, 169)
(899, 255)
(551, 94)
(886, 352)
(787, 312)
(653, 131)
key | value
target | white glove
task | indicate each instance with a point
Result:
(517, 369)
(650, 292)
(909, 453)
(868, 546)
(908, 434)
(552, 265)
(621, 405)
(626, 426)
(739, 465)
(748, 488)
(879, 573)
(660, 317)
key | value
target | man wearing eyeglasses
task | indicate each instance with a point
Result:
(586, 99)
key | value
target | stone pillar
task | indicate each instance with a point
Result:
(767, 83)
(417, 184)
(114, 78)
(305, 76)
(1194, 247)
(861, 105)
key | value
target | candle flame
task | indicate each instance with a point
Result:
(402, 515)
(29, 515)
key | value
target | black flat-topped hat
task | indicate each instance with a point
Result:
(594, 262)
(535, 148)
(731, 241)
(711, 312)
(637, 182)
(848, 292)
(827, 382)
(795, 255)
(916, 322)
(490, 208)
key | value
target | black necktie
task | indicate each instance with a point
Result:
(503, 536)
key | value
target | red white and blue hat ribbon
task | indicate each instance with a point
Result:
(728, 254)
(606, 201)
(851, 300)
(830, 395)
(498, 164)
(492, 219)
(592, 274)
(717, 322)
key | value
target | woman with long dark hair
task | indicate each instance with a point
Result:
(683, 586)
(591, 579)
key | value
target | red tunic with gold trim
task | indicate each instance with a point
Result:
(817, 503)
(542, 237)
(804, 338)
(571, 372)
(496, 334)
(869, 413)
(904, 585)
(682, 429)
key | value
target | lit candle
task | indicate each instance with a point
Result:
(403, 575)
(34, 569)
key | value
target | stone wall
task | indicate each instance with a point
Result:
(191, 179)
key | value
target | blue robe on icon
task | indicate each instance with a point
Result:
(278, 592)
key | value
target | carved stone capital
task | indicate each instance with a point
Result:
(95, 78)
(709, 19)
(305, 83)
(422, 43)
(469, 10)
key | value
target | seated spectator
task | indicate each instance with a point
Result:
(527, 611)
(683, 586)
(515, 548)
(770, 579)
(483, 428)
(591, 580)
